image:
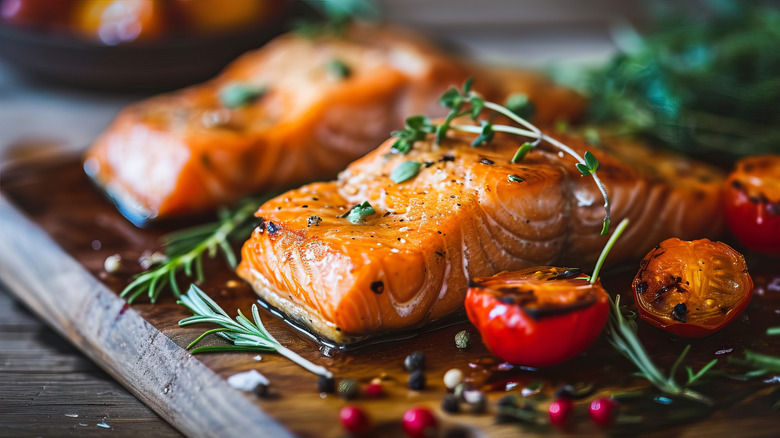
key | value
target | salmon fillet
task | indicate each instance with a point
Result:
(187, 152)
(461, 217)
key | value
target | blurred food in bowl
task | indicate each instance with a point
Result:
(133, 44)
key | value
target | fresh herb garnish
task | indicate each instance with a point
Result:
(358, 212)
(759, 362)
(702, 81)
(465, 102)
(185, 249)
(338, 69)
(336, 16)
(773, 331)
(405, 171)
(621, 333)
(521, 105)
(243, 334)
(238, 94)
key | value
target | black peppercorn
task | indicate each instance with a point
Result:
(326, 384)
(417, 380)
(348, 389)
(450, 404)
(261, 390)
(415, 361)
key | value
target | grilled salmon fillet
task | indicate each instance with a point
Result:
(320, 103)
(460, 217)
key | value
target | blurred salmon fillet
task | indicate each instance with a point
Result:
(459, 218)
(326, 102)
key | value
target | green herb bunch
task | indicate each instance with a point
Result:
(705, 81)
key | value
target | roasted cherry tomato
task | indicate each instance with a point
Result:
(752, 199)
(692, 289)
(538, 316)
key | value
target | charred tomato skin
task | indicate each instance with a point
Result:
(692, 289)
(563, 326)
(752, 203)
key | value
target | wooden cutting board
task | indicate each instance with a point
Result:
(57, 230)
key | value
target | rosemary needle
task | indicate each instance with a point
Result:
(245, 335)
(184, 250)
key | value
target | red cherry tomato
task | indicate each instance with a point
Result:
(602, 411)
(692, 289)
(538, 316)
(752, 199)
(560, 411)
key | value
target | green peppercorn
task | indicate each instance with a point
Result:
(462, 339)
(348, 389)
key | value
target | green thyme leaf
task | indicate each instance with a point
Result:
(238, 94)
(401, 146)
(477, 103)
(339, 69)
(405, 171)
(467, 86)
(419, 124)
(514, 178)
(359, 211)
(605, 227)
(486, 136)
(522, 151)
(451, 99)
(521, 105)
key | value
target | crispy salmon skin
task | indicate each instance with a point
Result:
(461, 217)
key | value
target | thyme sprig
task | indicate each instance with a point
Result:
(243, 334)
(185, 249)
(465, 102)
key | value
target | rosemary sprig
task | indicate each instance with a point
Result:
(621, 333)
(465, 102)
(244, 335)
(773, 331)
(759, 362)
(185, 249)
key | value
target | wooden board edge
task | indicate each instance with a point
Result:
(172, 382)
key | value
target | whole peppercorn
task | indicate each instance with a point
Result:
(354, 420)
(601, 411)
(260, 390)
(560, 411)
(462, 339)
(348, 389)
(417, 380)
(452, 378)
(459, 390)
(450, 404)
(326, 384)
(476, 400)
(415, 361)
(419, 422)
(374, 390)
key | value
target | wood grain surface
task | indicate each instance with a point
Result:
(57, 231)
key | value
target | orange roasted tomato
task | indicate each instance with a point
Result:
(692, 289)
(752, 199)
(538, 316)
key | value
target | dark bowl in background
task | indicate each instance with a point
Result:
(139, 66)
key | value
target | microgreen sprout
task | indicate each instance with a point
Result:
(465, 102)
(238, 94)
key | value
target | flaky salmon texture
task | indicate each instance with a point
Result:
(320, 103)
(461, 217)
